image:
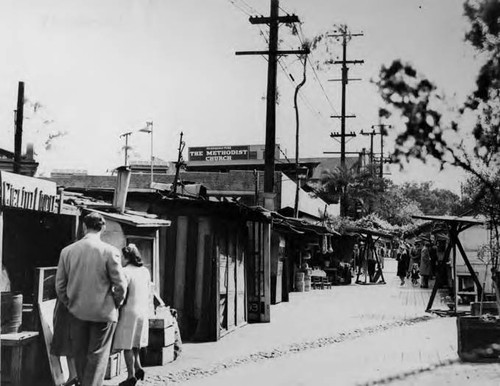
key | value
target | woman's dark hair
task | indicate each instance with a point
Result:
(132, 255)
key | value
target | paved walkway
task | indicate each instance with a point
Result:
(343, 314)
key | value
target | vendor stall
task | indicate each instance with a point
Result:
(34, 228)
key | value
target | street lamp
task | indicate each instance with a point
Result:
(149, 129)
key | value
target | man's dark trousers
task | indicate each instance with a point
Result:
(91, 344)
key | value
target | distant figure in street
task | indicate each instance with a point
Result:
(356, 257)
(434, 258)
(371, 264)
(425, 265)
(414, 274)
(91, 284)
(381, 256)
(403, 259)
(415, 253)
(133, 325)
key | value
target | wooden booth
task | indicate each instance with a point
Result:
(121, 229)
(33, 230)
(216, 270)
(35, 225)
(295, 242)
(141, 229)
(465, 283)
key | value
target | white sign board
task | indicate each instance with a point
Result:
(18, 191)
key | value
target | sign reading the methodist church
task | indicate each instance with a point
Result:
(219, 153)
(24, 192)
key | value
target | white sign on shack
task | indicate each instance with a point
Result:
(18, 191)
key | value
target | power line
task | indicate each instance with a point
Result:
(302, 40)
(252, 9)
(302, 95)
(284, 68)
(282, 152)
(317, 114)
(233, 2)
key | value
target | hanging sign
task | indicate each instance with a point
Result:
(18, 191)
(219, 153)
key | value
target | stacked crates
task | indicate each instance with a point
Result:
(160, 350)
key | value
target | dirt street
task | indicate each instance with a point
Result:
(347, 335)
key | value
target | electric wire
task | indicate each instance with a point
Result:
(252, 9)
(282, 152)
(233, 2)
(300, 32)
(317, 114)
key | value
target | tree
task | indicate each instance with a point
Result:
(396, 207)
(428, 134)
(430, 201)
(419, 103)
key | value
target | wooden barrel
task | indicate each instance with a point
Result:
(299, 281)
(299, 286)
(307, 283)
(12, 312)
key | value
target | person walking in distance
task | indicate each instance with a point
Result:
(403, 259)
(133, 324)
(425, 265)
(90, 282)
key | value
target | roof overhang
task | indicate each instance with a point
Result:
(134, 219)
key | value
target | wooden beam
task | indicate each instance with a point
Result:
(180, 263)
(437, 283)
(469, 266)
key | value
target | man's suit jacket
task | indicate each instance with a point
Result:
(90, 280)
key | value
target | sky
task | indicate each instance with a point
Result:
(95, 69)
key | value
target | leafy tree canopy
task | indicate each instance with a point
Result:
(421, 106)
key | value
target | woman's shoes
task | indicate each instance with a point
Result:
(128, 382)
(139, 374)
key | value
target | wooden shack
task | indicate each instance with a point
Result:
(215, 270)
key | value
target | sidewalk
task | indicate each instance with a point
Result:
(311, 319)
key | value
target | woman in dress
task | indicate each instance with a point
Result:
(133, 324)
(403, 259)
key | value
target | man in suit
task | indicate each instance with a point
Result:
(91, 284)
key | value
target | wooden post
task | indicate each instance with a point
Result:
(180, 263)
(469, 267)
(455, 276)
(440, 273)
(200, 283)
(266, 273)
(18, 137)
(156, 261)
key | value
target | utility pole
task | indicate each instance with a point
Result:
(178, 164)
(372, 134)
(149, 125)
(274, 20)
(126, 135)
(18, 136)
(382, 132)
(345, 35)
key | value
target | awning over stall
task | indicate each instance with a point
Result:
(134, 218)
(454, 225)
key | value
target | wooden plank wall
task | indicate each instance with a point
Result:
(191, 276)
